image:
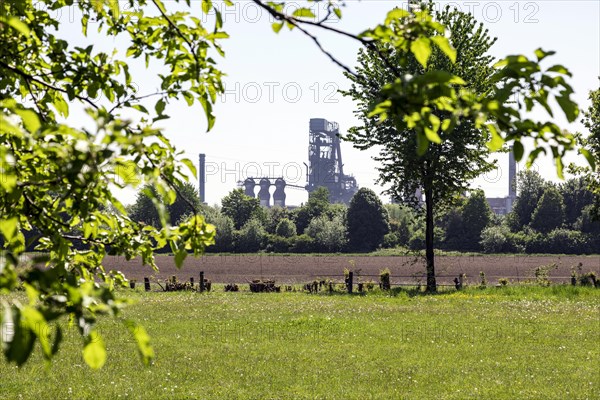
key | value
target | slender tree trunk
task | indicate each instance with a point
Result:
(431, 283)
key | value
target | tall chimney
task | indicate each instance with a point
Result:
(512, 174)
(202, 178)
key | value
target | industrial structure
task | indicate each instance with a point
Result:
(325, 167)
(504, 205)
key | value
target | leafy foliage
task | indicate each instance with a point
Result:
(58, 179)
(329, 234)
(239, 207)
(367, 221)
(550, 211)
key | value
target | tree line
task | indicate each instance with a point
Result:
(545, 218)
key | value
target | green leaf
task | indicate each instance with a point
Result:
(61, 106)
(114, 8)
(180, 257)
(159, 107)
(94, 352)
(190, 165)
(303, 13)
(277, 26)
(444, 45)
(541, 54)
(30, 119)
(143, 341)
(518, 150)
(16, 24)
(421, 48)
(496, 141)
(206, 6)
(338, 12)
(560, 69)
(568, 106)
(589, 157)
(8, 227)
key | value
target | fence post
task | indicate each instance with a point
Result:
(201, 287)
(147, 284)
(192, 282)
(350, 276)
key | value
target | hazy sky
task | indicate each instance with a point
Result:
(276, 83)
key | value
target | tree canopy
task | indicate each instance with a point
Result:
(367, 221)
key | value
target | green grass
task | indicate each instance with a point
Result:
(497, 343)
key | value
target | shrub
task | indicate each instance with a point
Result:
(251, 237)
(328, 235)
(302, 244)
(278, 244)
(494, 239)
(285, 228)
(225, 236)
(390, 241)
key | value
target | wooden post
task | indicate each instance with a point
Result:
(132, 284)
(350, 277)
(173, 279)
(192, 282)
(330, 287)
(201, 281)
(147, 284)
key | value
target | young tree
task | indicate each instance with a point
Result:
(441, 171)
(239, 207)
(476, 216)
(549, 213)
(367, 221)
(531, 187)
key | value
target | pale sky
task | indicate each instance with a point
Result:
(277, 82)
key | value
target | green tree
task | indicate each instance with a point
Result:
(476, 216)
(239, 207)
(407, 164)
(57, 176)
(252, 236)
(285, 228)
(144, 210)
(576, 196)
(329, 235)
(225, 236)
(367, 221)
(549, 213)
(531, 187)
(317, 205)
(591, 149)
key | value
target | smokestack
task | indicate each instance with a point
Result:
(512, 175)
(202, 178)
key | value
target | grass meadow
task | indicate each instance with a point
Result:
(496, 343)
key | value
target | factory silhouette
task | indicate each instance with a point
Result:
(326, 169)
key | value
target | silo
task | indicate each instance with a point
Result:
(263, 194)
(249, 187)
(279, 194)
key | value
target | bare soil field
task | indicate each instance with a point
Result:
(294, 269)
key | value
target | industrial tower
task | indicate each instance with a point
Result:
(325, 162)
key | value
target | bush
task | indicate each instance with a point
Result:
(494, 239)
(285, 228)
(225, 236)
(328, 235)
(279, 244)
(251, 237)
(302, 244)
(390, 241)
